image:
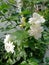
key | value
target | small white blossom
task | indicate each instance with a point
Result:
(9, 47)
(7, 38)
(36, 19)
(36, 30)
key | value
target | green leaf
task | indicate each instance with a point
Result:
(32, 61)
(4, 6)
(24, 63)
(13, 17)
(12, 1)
(26, 12)
(10, 61)
(21, 34)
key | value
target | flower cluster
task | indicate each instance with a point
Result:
(37, 19)
(36, 29)
(9, 47)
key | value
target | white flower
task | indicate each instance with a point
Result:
(7, 38)
(36, 30)
(36, 19)
(9, 47)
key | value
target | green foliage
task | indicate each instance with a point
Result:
(28, 50)
(46, 15)
(21, 34)
(29, 62)
(12, 1)
(32, 62)
(4, 7)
